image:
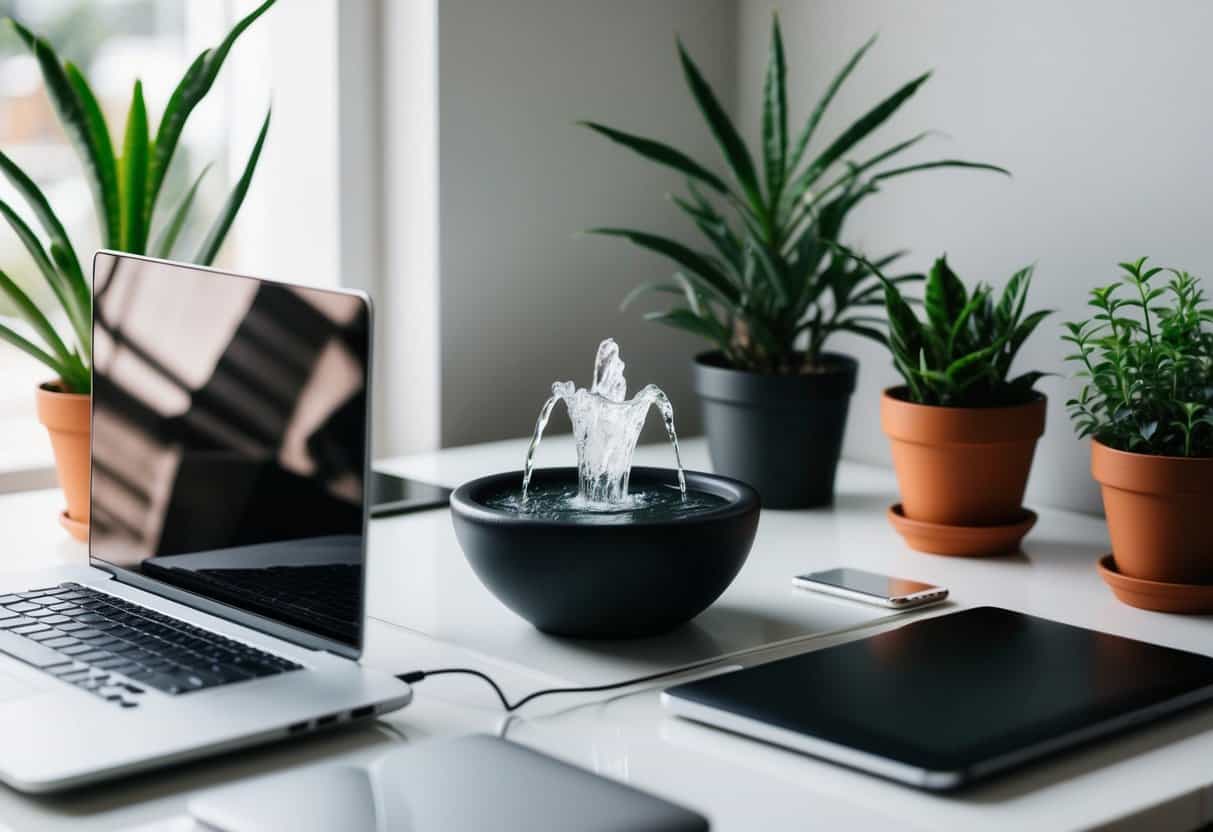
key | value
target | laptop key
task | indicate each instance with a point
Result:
(19, 621)
(75, 677)
(76, 650)
(10, 599)
(45, 635)
(30, 652)
(56, 619)
(94, 656)
(30, 628)
(24, 606)
(61, 642)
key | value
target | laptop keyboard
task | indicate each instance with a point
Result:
(114, 647)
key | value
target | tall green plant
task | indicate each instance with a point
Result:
(126, 186)
(772, 290)
(1146, 358)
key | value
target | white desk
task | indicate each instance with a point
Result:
(1161, 778)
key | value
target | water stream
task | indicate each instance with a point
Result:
(606, 428)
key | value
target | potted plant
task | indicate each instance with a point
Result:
(962, 430)
(770, 292)
(126, 185)
(1146, 355)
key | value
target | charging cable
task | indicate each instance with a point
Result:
(419, 675)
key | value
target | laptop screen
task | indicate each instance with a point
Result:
(229, 441)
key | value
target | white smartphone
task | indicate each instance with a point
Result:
(870, 588)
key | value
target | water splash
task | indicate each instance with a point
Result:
(606, 428)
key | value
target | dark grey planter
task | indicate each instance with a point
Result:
(592, 580)
(781, 434)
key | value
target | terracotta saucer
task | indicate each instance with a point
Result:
(963, 541)
(1156, 595)
(75, 528)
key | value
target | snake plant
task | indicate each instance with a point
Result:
(126, 183)
(771, 290)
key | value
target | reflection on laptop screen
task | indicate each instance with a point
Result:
(229, 440)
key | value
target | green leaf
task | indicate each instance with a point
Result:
(775, 116)
(132, 170)
(810, 126)
(28, 310)
(58, 283)
(68, 264)
(223, 222)
(687, 258)
(688, 321)
(735, 153)
(168, 234)
(966, 369)
(84, 125)
(648, 288)
(1028, 380)
(941, 163)
(944, 295)
(858, 131)
(662, 154)
(32, 349)
(192, 88)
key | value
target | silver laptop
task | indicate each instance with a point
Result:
(223, 603)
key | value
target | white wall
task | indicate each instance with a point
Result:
(524, 301)
(1097, 107)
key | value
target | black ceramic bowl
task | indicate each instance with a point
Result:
(593, 580)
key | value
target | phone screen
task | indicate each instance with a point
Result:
(869, 583)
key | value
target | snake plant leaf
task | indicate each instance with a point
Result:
(41, 209)
(168, 235)
(83, 123)
(944, 295)
(731, 145)
(33, 350)
(775, 116)
(717, 231)
(192, 88)
(806, 134)
(954, 325)
(104, 181)
(689, 259)
(650, 287)
(132, 170)
(869, 332)
(34, 316)
(1025, 329)
(223, 222)
(687, 320)
(82, 320)
(854, 134)
(58, 283)
(660, 153)
(940, 163)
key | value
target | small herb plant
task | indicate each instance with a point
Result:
(961, 354)
(771, 291)
(1147, 358)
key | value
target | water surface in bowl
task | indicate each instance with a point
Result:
(560, 501)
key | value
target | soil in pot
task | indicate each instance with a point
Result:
(66, 417)
(961, 466)
(1158, 510)
(780, 434)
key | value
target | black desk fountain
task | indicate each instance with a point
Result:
(605, 550)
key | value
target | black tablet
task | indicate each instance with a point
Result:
(948, 700)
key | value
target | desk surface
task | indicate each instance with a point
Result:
(1161, 778)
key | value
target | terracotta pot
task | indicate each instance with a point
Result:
(1158, 510)
(961, 466)
(66, 417)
